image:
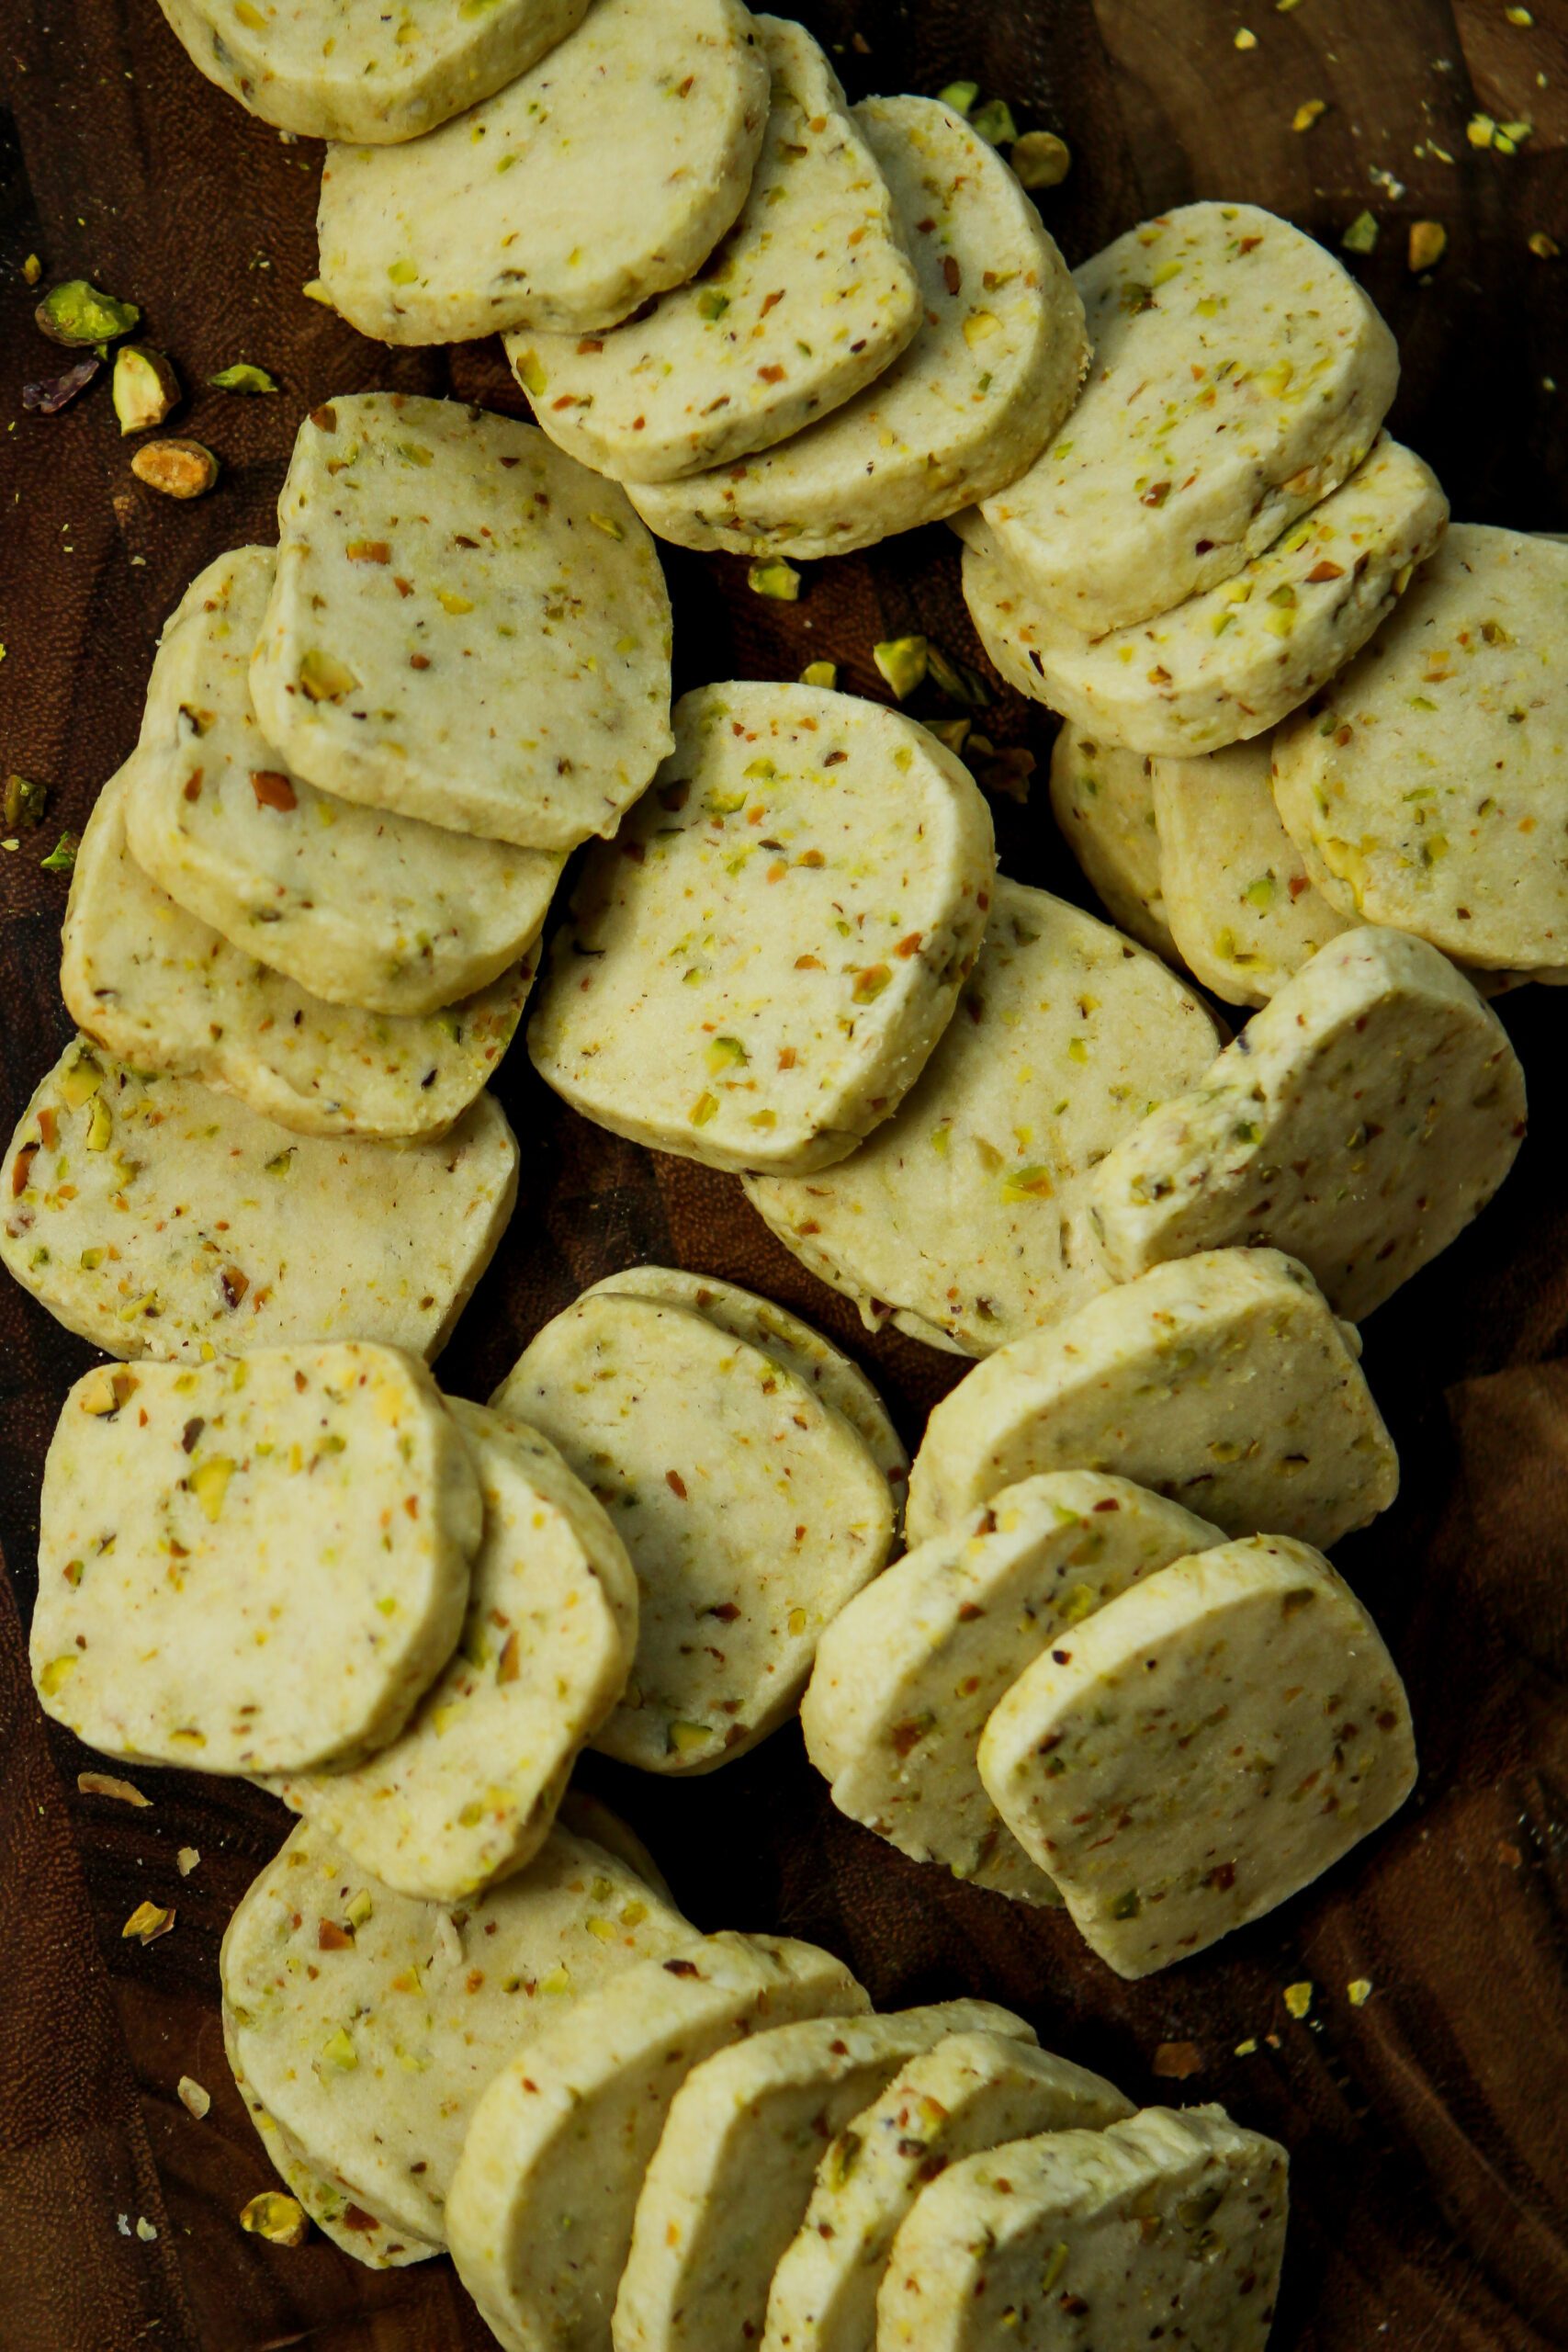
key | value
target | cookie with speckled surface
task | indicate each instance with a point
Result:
(1103, 798)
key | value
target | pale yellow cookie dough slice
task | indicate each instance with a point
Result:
(965, 409)
(733, 2170)
(973, 2091)
(1222, 1381)
(465, 625)
(751, 1508)
(253, 1565)
(1240, 375)
(367, 2024)
(757, 969)
(1113, 1758)
(1427, 781)
(602, 175)
(331, 68)
(158, 988)
(360, 906)
(1359, 1121)
(542, 2208)
(468, 1791)
(1103, 798)
(1241, 910)
(1230, 662)
(908, 1673)
(809, 298)
(1182, 2215)
(158, 1219)
(962, 1217)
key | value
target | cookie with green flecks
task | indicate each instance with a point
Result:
(1102, 800)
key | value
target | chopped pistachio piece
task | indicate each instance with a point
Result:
(147, 1923)
(75, 313)
(52, 393)
(1428, 240)
(145, 387)
(1305, 115)
(1298, 1998)
(1544, 248)
(1040, 158)
(314, 290)
(193, 2096)
(995, 123)
(960, 96)
(820, 674)
(22, 804)
(956, 679)
(776, 579)
(903, 661)
(1361, 236)
(243, 378)
(32, 269)
(177, 469)
(1245, 38)
(105, 1784)
(186, 1859)
(278, 2219)
(953, 732)
(61, 859)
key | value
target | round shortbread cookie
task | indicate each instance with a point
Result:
(253, 1565)
(469, 1790)
(908, 1673)
(541, 2212)
(351, 2226)
(1240, 376)
(1222, 1381)
(808, 298)
(1359, 1122)
(993, 371)
(166, 992)
(1103, 800)
(330, 69)
(358, 905)
(751, 1508)
(606, 173)
(465, 625)
(1425, 785)
(963, 1218)
(368, 2024)
(1233, 662)
(759, 965)
(1113, 1758)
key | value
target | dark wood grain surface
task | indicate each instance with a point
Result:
(1428, 2128)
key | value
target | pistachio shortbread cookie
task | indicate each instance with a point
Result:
(465, 626)
(252, 1566)
(166, 992)
(468, 1791)
(962, 1217)
(359, 905)
(606, 173)
(1182, 2215)
(1359, 1121)
(1103, 798)
(751, 1508)
(367, 2024)
(1427, 782)
(1221, 1381)
(1113, 1758)
(987, 379)
(158, 1219)
(1231, 663)
(329, 69)
(1240, 376)
(733, 2171)
(350, 2225)
(541, 2212)
(1243, 913)
(908, 1673)
(808, 298)
(758, 967)
(973, 2091)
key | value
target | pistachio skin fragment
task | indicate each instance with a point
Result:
(74, 312)
(144, 389)
(177, 469)
(48, 397)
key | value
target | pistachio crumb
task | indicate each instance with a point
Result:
(1308, 113)
(1298, 1998)
(776, 579)
(820, 674)
(1245, 39)
(192, 2096)
(61, 859)
(147, 1923)
(1428, 240)
(243, 378)
(1359, 1992)
(903, 663)
(1041, 159)
(176, 469)
(278, 2219)
(994, 123)
(105, 1784)
(1361, 236)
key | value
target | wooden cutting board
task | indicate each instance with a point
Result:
(1428, 2128)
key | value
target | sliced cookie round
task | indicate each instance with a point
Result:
(1231, 663)
(1425, 785)
(606, 173)
(542, 2209)
(988, 379)
(1103, 798)
(1222, 1381)
(252, 1566)
(1113, 1758)
(161, 990)
(751, 1508)
(468, 1791)
(809, 298)
(758, 967)
(1240, 376)
(962, 1217)
(358, 905)
(465, 626)
(908, 1673)
(1359, 1121)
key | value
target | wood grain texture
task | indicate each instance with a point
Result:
(1428, 2129)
